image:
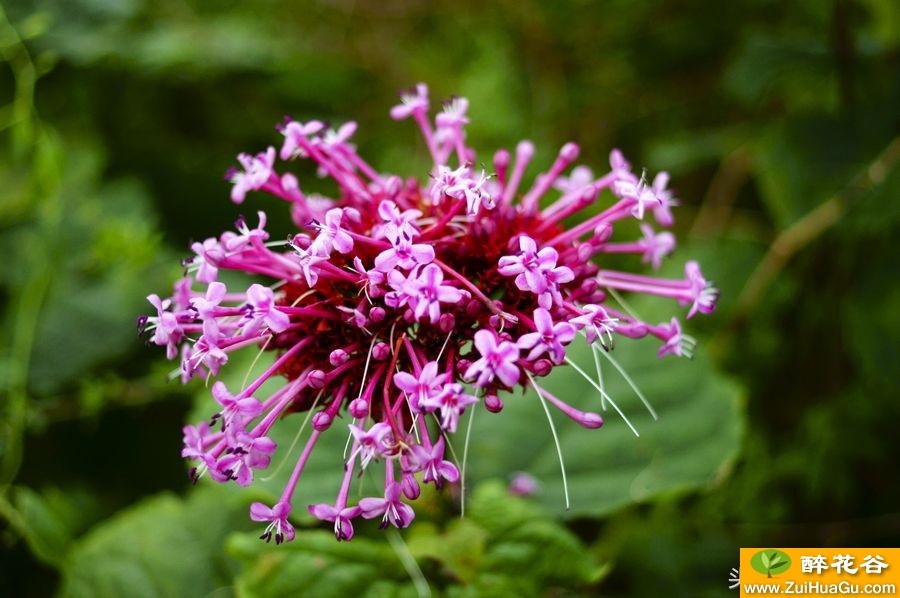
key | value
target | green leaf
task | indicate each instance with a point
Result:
(315, 564)
(765, 560)
(695, 438)
(460, 548)
(49, 520)
(773, 566)
(774, 559)
(163, 546)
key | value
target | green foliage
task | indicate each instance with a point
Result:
(695, 438)
(118, 116)
(163, 546)
(504, 544)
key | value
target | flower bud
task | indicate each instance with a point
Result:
(446, 323)
(590, 420)
(316, 379)
(377, 314)
(569, 152)
(542, 367)
(359, 408)
(493, 403)
(381, 351)
(410, 486)
(338, 357)
(602, 232)
(321, 421)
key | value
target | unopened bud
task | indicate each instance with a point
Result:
(590, 420)
(542, 367)
(410, 486)
(569, 152)
(321, 421)
(381, 351)
(446, 323)
(338, 357)
(602, 232)
(359, 408)
(316, 379)
(493, 403)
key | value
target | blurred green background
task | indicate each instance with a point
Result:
(779, 122)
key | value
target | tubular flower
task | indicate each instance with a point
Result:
(400, 304)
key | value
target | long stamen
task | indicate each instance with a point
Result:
(562, 464)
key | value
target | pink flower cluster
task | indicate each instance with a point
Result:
(401, 303)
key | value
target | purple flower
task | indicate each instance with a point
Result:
(257, 170)
(663, 212)
(451, 403)
(581, 177)
(454, 114)
(428, 292)
(431, 463)
(277, 517)
(498, 361)
(307, 260)
(234, 409)
(554, 276)
(396, 224)
(182, 294)
(295, 136)
(209, 255)
(167, 331)
(621, 169)
(394, 511)
(597, 324)
(446, 179)
(523, 484)
(371, 280)
(331, 235)
(420, 390)
(473, 192)
(642, 195)
(528, 265)
(459, 261)
(371, 443)
(548, 338)
(675, 341)
(415, 102)
(264, 311)
(247, 454)
(341, 517)
(206, 352)
(206, 306)
(196, 439)
(404, 254)
(237, 242)
(656, 246)
(703, 293)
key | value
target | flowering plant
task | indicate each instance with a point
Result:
(403, 299)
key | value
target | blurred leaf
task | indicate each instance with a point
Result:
(696, 436)
(527, 545)
(796, 68)
(460, 548)
(163, 546)
(316, 565)
(52, 519)
(105, 257)
(482, 555)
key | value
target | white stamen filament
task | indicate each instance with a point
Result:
(562, 464)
